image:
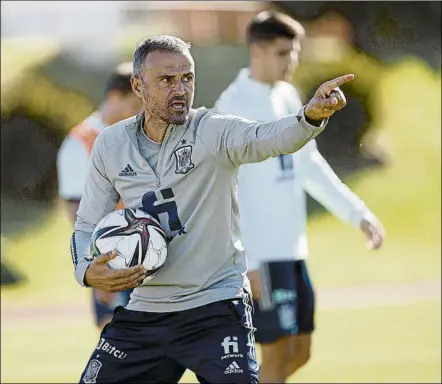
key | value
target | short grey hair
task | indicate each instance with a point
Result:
(164, 43)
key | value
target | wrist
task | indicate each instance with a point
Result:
(310, 120)
(85, 282)
(80, 273)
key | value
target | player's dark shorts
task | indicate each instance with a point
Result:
(287, 303)
(215, 341)
(103, 311)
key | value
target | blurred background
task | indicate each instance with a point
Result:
(379, 315)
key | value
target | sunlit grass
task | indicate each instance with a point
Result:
(390, 344)
(398, 344)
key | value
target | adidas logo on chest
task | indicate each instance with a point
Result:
(127, 171)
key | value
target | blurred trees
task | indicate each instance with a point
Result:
(385, 29)
(36, 113)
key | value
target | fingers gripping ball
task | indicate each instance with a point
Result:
(137, 237)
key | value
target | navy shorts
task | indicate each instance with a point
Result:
(215, 341)
(287, 303)
(103, 311)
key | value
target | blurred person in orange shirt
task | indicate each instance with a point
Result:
(72, 162)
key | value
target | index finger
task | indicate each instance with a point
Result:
(104, 258)
(335, 83)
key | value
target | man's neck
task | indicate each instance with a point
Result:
(154, 128)
(258, 74)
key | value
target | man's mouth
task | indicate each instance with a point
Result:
(178, 105)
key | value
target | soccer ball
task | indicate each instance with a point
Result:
(137, 237)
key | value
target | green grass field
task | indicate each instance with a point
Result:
(389, 343)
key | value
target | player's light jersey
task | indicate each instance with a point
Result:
(271, 194)
(74, 154)
(193, 193)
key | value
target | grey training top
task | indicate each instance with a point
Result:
(148, 148)
(192, 191)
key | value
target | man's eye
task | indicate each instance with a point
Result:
(187, 79)
(165, 80)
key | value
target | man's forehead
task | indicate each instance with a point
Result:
(284, 43)
(169, 62)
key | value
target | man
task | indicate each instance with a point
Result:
(272, 204)
(196, 312)
(119, 103)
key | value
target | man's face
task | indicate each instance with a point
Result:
(166, 85)
(280, 57)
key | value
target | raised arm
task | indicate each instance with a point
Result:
(237, 141)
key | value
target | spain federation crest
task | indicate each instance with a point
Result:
(90, 376)
(183, 157)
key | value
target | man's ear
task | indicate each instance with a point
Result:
(135, 83)
(113, 95)
(257, 49)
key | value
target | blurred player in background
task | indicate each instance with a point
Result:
(272, 200)
(120, 103)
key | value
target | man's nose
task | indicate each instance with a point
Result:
(178, 88)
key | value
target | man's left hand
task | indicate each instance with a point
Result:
(375, 233)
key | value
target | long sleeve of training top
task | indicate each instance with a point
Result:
(239, 141)
(97, 184)
(322, 183)
(192, 193)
